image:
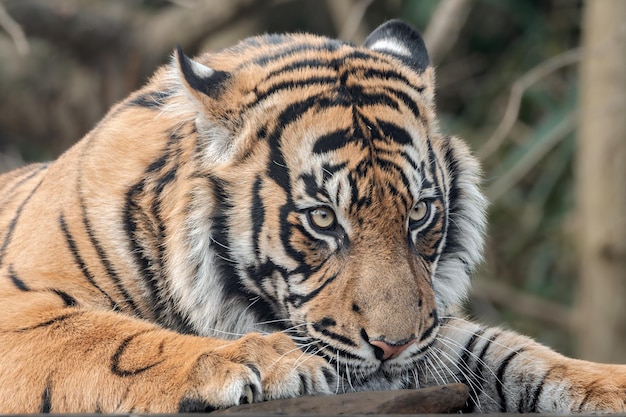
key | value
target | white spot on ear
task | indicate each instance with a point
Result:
(391, 46)
(202, 71)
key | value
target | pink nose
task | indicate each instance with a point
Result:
(386, 351)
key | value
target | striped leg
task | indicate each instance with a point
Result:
(507, 372)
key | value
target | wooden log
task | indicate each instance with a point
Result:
(434, 400)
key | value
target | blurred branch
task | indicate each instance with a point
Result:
(444, 27)
(90, 31)
(82, 30)
(522, 303)
(347, 18)
(517, 91)
(14, 30)
(540, 71)
(160, 32)
(532, 157)
(94, 53)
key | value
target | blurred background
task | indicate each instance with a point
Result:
(537, 87)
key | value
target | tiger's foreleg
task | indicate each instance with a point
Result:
(78, 360)
(507, 372)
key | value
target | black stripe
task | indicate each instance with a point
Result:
(330, 142)
(537, 393)
(13, 224)
(500, 378)
(151, 99)
(321, 327)
(453, 245)
(58, 319)
(433, 168)
(131, 227)
(21, 285)
(67, 299)
(116, 369)
(300, 64)
(297, 300)
(71, 243)
(469, 347)
(357, 96)
(443, 191)
(589, 392)
(394, 133)
(27, 172)
(354, 192)
(405, 99)
(392, 166)
(312, 188)
(147, 265)
(335, 64)
(106, 262)
(46, 400)
(277, 169)
(335, 336)
(369, 73)
(331, 355)
(139, 222)
(293, 84)
(30, 172)
(257, 213)
(524, 397)
(293, 49)
(432, 327)
(388, 75)
(286, 232)
(233, 286)
(478, 371)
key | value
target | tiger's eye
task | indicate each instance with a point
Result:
(420, 212)
(322, 217)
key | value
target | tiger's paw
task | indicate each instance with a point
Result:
(285, 370)
(598, 388)
(255, 368)
(604, 401)
(228, 384)
(604, 397)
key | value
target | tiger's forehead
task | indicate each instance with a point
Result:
(324, 85)
(322, 106)
(269, 58)
(351, 159)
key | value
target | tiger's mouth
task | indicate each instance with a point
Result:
(357, 372)
(387, 376)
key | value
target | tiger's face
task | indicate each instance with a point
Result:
(337, 204)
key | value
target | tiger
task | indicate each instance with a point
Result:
(278, 218)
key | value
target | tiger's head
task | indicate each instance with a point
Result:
(327, 204)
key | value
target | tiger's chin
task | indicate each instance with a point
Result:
(380, 380)
(379, 376)
(372, 374)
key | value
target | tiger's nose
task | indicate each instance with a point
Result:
(384, 350)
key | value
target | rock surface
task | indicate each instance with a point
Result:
(441, 399)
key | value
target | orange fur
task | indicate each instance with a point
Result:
(170, 260)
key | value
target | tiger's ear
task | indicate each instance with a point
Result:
(201, 78)
(213, 94)
(402, 41)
